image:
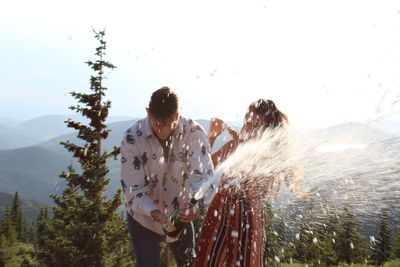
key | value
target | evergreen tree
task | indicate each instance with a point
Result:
(329, 242)
(6, 249)
(40, 237)
(272, 246)
(7, 227)
(306, 244)
(276, 248)
(14, 249)
(395, 253)
(382, 246)
(19, 222)
(86, 229)
(280, 233)
(351, 244)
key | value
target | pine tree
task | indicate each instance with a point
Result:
(329, 242)
(280, 233)
(19, 222)
(306, 244)
(7, 227)
(86, 229)
(276, 248)
(40, 237)
(351, 244)
(395, 253)
(8, 238)
(272, 246)
(382, 246)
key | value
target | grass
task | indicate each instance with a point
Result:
(392, 263)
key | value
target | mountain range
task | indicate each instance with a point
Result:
(31, 157)
(16, 134)
(33, 170)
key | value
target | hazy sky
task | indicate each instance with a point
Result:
(322, 62)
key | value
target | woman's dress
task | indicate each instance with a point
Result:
(233, 230)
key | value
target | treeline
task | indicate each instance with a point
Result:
(17, 238)
(330, 240)
(38, 244)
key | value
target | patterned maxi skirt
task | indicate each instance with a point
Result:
(233, 231)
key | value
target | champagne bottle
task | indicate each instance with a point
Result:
(174, 225)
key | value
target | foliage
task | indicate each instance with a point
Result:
(17, 254)
(352, 246)
(86, 229)
(382, 246)
(276, 247)
(396, 245)
(392, 263)
(15, 248)
(328, 238)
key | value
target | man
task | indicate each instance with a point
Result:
(165, 160)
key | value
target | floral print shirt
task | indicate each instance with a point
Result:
(152, 179)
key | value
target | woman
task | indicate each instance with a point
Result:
(233, 231)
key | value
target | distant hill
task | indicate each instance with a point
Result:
(30, 208)
(32, 171)
(352, 132)
(36, 130)
(391, 127)
(114, 139)
(117, 131)
(14, 137)
(13, 122)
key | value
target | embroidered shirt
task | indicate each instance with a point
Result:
(153, 179)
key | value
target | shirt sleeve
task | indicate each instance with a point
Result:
(200, 164)
(134, 179)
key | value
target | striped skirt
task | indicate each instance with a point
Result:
(233, 231)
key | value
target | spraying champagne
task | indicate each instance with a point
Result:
(174, 225)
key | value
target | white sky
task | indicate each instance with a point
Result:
(322, 62)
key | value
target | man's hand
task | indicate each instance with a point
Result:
(158, 216)
(189, 213)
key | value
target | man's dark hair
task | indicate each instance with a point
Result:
(163, 103)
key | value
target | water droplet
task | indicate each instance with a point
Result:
(277, 259)
(235, 234)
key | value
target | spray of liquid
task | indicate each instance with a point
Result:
(351, 163)
(261, 164)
